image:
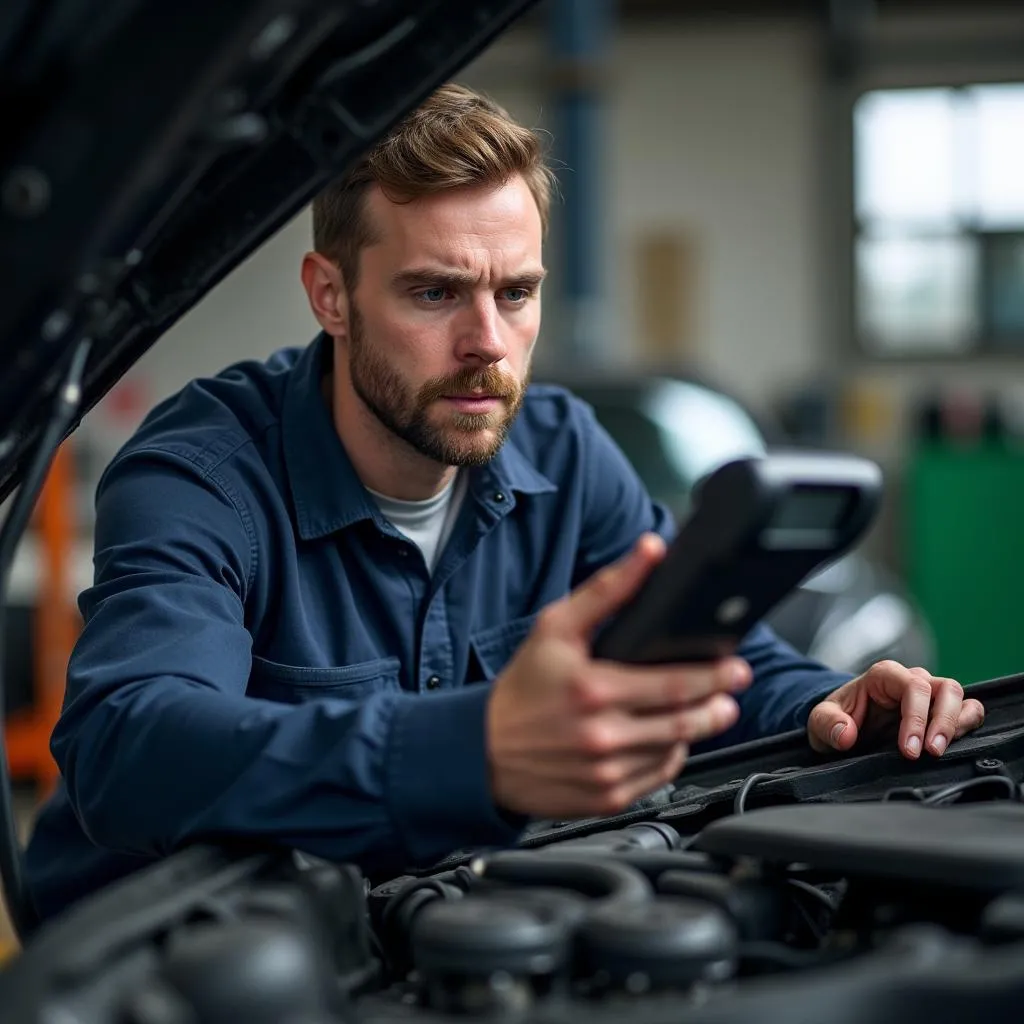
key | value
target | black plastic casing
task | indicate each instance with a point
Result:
(759, 527)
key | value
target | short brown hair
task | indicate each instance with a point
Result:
(456, 138)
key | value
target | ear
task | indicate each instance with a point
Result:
(325, 289)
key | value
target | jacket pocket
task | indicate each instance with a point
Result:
(495, 645)
(296, 684)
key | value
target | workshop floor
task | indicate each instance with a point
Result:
(24, 808)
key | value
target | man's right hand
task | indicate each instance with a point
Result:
(570, 736)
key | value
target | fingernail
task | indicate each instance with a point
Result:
(650, 544)
(939, 745)
(738, 677)
(837, 730)
(914, 746)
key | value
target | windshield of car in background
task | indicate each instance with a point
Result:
(675, 433)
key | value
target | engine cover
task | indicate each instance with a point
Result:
(978, 846)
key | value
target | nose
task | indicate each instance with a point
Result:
(480, 338)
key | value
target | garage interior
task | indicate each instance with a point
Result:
(815, 208)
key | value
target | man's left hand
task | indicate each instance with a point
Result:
(931, 712)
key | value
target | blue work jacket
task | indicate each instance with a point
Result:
(265, 656)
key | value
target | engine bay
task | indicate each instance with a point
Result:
(767, 883)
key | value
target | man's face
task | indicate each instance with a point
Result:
(444, 316)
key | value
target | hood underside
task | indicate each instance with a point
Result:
(148, 148)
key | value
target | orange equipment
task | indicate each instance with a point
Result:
(56, 627)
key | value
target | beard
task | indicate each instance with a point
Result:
(464, 439)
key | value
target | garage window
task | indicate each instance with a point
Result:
(939, 217)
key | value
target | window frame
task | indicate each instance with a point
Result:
(852, 63)
(983, 340)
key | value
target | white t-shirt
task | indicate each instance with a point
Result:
(428, 524)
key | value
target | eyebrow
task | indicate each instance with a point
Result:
(450, 277)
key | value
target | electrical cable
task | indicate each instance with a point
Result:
(740, 803)
(949, 794)
(813, 891)
(68, 399)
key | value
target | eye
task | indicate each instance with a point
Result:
(433, 295)
(517, 295)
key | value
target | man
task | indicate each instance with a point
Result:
(343, 599)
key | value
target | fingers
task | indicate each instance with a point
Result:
(952, 716)
(829, 727)
(932, 711)
(622, 770)
(607, 590)
(646, 782)
(644, 688)
(947, 704)
(972, 716)
(608, 734)
(608, 786)
(835, 723)
(915, 705)
(617, 796)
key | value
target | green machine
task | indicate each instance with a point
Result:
(965, 554)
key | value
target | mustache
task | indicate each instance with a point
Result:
(488, 382)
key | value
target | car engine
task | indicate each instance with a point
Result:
(767, 883)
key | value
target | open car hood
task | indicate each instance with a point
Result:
(148, 148)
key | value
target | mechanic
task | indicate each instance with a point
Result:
(343, 597)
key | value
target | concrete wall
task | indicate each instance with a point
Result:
(713, 133)
(258, 308)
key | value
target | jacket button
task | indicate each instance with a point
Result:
(499, 496)
(433, 682)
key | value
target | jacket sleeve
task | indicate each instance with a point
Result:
(786, 687)
(159, 744)
(786, 684)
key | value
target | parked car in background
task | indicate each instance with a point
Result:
(676, 431)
